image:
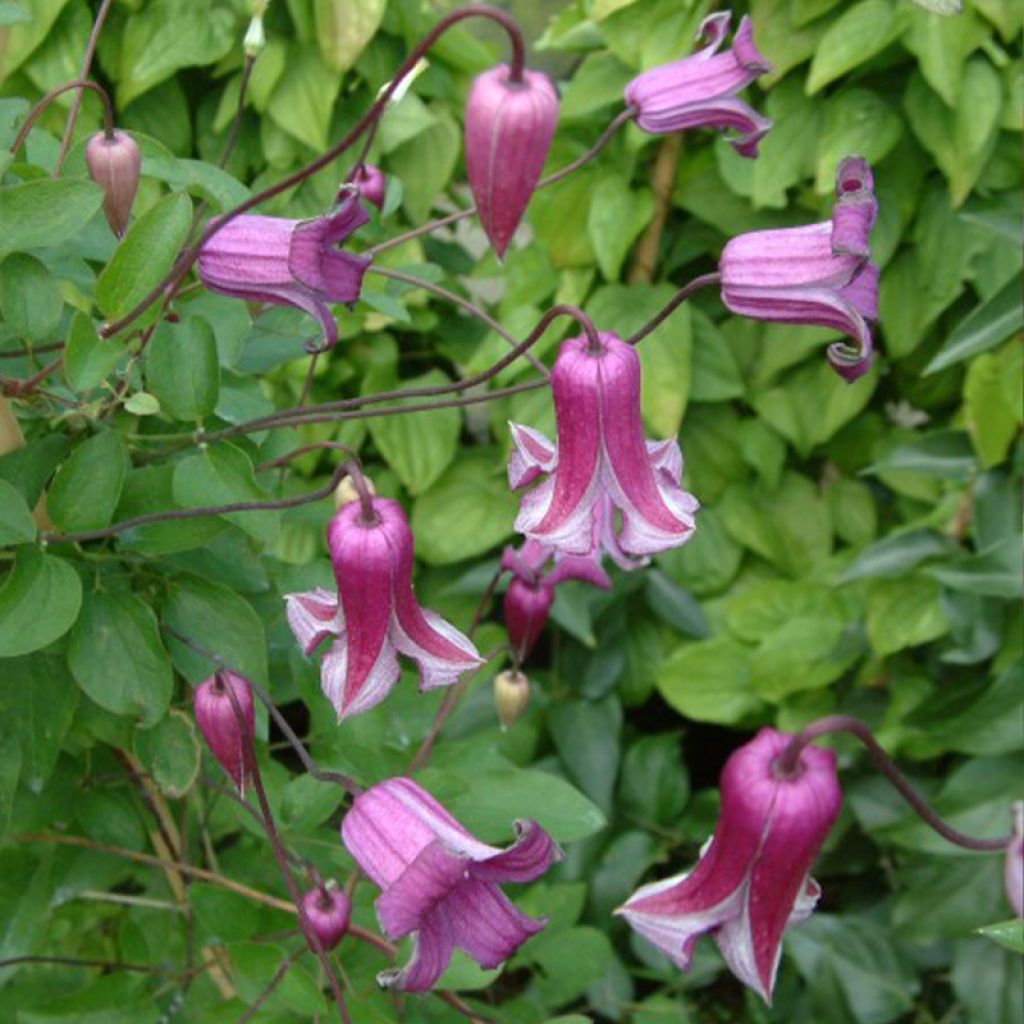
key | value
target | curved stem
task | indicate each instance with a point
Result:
(787, 764)
(677, 300)
(195, 513)
(15, 388)
(316, 446)
(453, 218)
(297, 177)
(76, 103)
(78, 83)
(369, 515)
(236, 121)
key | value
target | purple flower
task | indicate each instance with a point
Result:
(115, 164)
(752, 879)
(601, 463)
(508, 132)
(217, 721)
(699, 91)
(288, 262)
(819, 274)
(327, 910)
(375, 615)
(371, 184)
(1013, 866)
(440, 884)
(531, 591)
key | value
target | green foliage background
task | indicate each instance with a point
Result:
(858, 548)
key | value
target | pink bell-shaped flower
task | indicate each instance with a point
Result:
(531, 590)
(600, 464)
(819, 274)
(327, 910)
(374, 616)
(699, 91)
(115, 164)
(219, 725)
(289, 262)
(439, 883)
(508, 133)
(752, 879)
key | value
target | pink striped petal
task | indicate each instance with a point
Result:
(485, 924)
(431, 953)
(314, 615)
(532, 454)
(425, 883)
(533, 852)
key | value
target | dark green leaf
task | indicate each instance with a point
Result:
(45, 212)
(39, 602)
(87, 487)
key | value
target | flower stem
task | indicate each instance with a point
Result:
(78, 83)
(369, 515)
(368, 119)
(787, 764)
(677, 300)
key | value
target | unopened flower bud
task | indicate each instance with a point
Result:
(372, 186)
(255, 40)
(511, 695)
(218, 722)
(327, 909)
(1014, 865)
(345, 493)
(508, 132)
(115, 164)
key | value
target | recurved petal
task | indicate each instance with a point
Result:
(586, 569)
(442, 653)
(485, 924)
(532, 454)
(431, 954)
(413, 897)
(350, 694)
(314, 615)
(533, 852)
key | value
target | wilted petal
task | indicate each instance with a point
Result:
(314, 615)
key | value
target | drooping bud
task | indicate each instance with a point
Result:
(327, 909)
(217, 721)
(115, 164)
(255, 40)
(508, 132)
(371, 183)
(526, 606)
(511, 695)
(1014, 864)
(345, 493)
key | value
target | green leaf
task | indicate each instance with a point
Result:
(10, 772)
(962, 140)
(223, 475)
(941, 46)
(586, 736)
(493, 800)
(39, 602)
(674, 605)
(38, 698)
(994, 572)
(118, 659)
(988, 982)
(426, 163)
(182, 369)
(902, 613)
(892, 556)
(655, 784)
(88, 485)
(88, 358)
(992, 403)
(170, 752)
(715, 374)
(29, 297)
(1009, 934)
(142, 403)
(709, 561)
(598, 82)
(144, 256)
(616, 218)
(983, 328)
(467, 512)
(945, 454)
(16, 523)
(219, 621)
(419, 447)
(252, 964)
(568, 962)
(709, 681)
(45, 212)
(223, 914)
(304, 96)
(854, 37)
(856, 121)
(344, 27)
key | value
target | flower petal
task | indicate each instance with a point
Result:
(485, 924)
(431, 953)
(426, 882)
(532, 454)
(314, 615)
(533, 852)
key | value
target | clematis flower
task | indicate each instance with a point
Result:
(327, 909)
(699, 91)
(531, 591)
(289, 262)
(375, 615)
(115, 164)
(601, 463)
(438, 883)
(218, 723)
(819, 274)
(508, 133)
(752, 879)
(371, 183)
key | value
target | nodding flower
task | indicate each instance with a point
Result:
(374, 616)
(439, 883)
(820, 274)
(219, 724)
(601, 464)
(289, 262)
(699, 91)
(752, 880)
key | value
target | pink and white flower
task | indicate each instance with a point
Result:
(374, 616)
(439, 883)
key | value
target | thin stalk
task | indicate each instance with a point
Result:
(14, 388)
(76, 103)
(275, 979)
(787, 765)
(182, 265)
(236, 121)
(78, 83)
(677, 300)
